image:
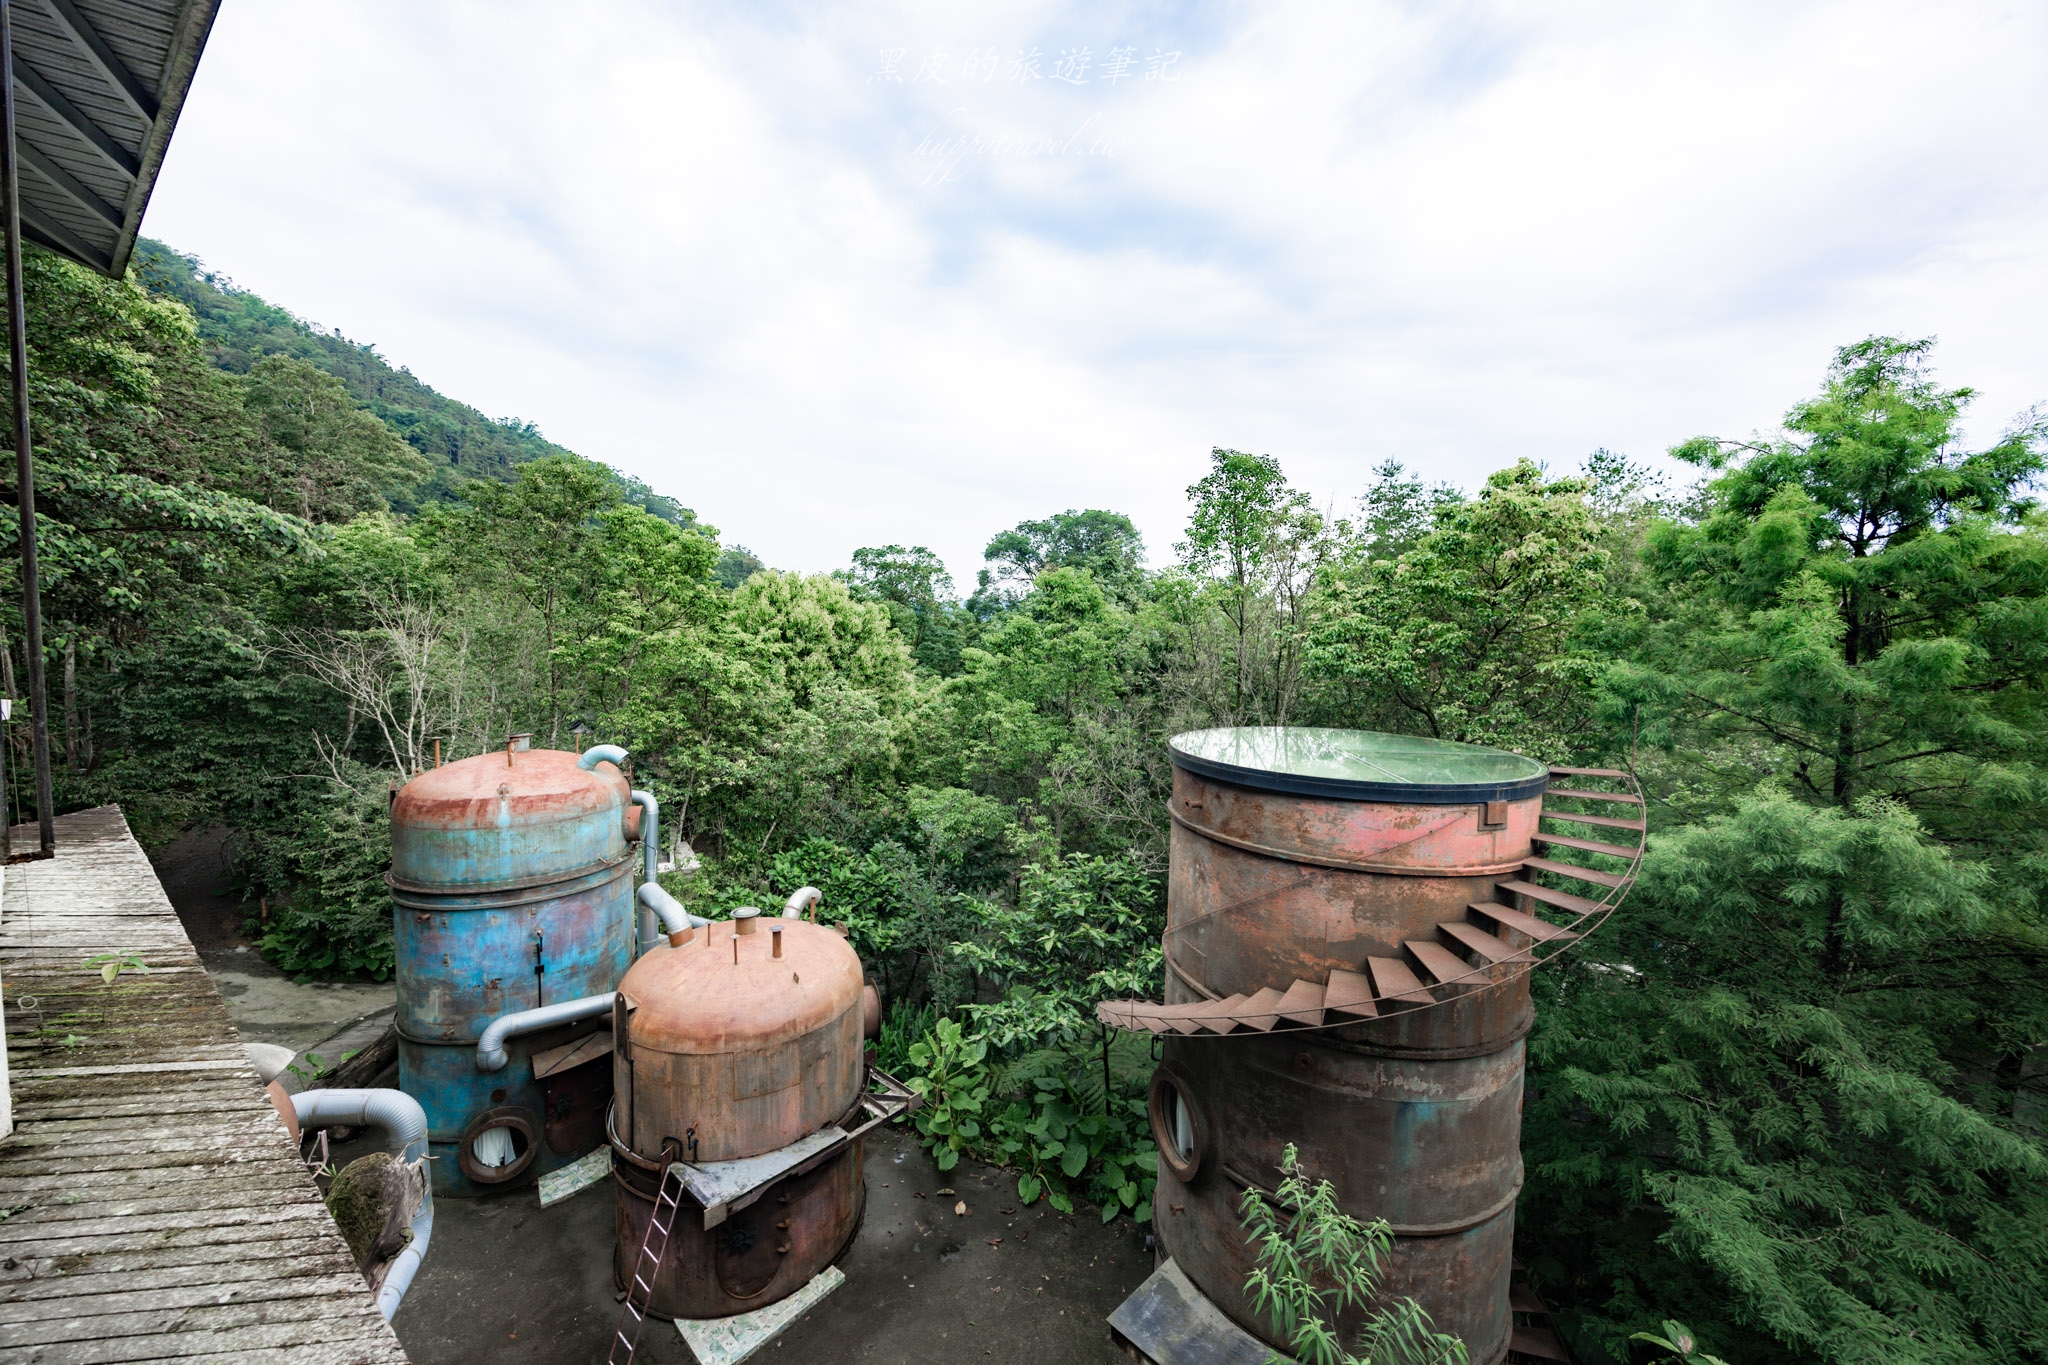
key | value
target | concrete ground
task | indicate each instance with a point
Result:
(509, 1282)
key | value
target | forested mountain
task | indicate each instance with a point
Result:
(237, 330)
(1794, 1093)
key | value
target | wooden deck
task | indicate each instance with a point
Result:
(151, 1205)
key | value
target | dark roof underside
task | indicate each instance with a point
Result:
(97, 89)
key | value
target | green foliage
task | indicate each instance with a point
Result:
(1680, 1343)
(1316, 1264)
(336, 919)
(1793, 1095)
(1471, 633)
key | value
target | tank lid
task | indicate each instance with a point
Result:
(1358, 765)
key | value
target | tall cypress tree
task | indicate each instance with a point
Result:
(1794, 1093)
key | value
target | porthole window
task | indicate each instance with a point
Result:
(499, 1145)
(1177, 1126)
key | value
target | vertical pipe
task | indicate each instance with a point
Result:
(25, 474)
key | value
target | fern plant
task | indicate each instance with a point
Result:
(1316, 1263)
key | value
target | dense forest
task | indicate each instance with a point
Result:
(1793, 1095)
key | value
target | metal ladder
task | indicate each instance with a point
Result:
(640, 1292)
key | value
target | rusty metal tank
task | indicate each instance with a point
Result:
(739, 1051)
(1299, 852)
(511, 884)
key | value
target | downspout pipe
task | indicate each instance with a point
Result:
(675, 921)
(650, 848)
(490, 1048)
(802, 899)
(399, 1116)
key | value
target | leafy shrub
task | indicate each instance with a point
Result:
(1315, 1262)
(332, 917)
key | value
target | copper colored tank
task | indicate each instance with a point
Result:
(739, 1042)
(1296, 852)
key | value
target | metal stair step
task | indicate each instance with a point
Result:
(1542, 930)
(1439, 962)
(1604, 821)
(1394, 982)
(1563, 900)
(1538, 1342)
(1586, 845)
(1483, 943)
(1584, 874)
(1303, 1003)
(1625, 798)
(1589, 772)
(1349, 993)
(1262, 1011)
(1211, 1016)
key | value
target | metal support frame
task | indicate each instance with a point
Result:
(17, 342)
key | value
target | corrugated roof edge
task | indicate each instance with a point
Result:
(188, 42)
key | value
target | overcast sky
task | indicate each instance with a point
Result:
(866, 274)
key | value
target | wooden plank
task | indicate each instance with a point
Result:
(1542, 930)
(166, 1217)
(248, 1290)
(1349, 993)
(1394, 982)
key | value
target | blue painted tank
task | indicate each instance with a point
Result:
(512, 888)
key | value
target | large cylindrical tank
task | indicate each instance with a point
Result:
(1296, 852)
(740, 1042)
(512, 887)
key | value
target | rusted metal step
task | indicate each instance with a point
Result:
(1262, 1011)
(1605, 821)
(1625, 798)
(1522, 1299)
(1584, 874)
(1479, 941)
(1349, 994)
(1586, 845)
(1440, 963)
(1615, 773)
(1563, 900)
(1542, 930)
(1302, 1003)
(1396, 984)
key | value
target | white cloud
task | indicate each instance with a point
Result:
(705, 248)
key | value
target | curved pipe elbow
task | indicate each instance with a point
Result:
(674, 919)
(802, 899)
(402, 1121)
(602, 753)
(490, 1048)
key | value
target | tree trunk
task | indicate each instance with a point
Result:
(71, 704)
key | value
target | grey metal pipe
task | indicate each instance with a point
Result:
(490, 1048)
(400, 1118)
(602, 753)
(650, 848)
(674, 919)
(800, 900)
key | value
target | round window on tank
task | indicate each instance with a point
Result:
(1178, 1127)
(499, 1145)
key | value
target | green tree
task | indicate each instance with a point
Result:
(918, 592)
(1795, 1100)
(1106, 544)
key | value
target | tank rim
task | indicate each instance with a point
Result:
(1534, 784)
